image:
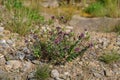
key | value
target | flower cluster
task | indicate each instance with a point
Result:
(63, 46)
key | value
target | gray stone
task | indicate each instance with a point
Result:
(31, 75)
(1, 24)
(117, 72)
(67, 73)
(17, 77)
(65, 76)
(13, 64)
(4, 44)
(68, 29)
(58, 78)
(30, 57)
(10, 56)
(118, 43)
(101, 24)
(37, 62)
(10, 42)
(2, 60)
(1, 35)
(3, 75)
(108, 72)
(14, 76)
(98, 75)
(1, 29)
(104, 42)
(26, 50)
(55, 73)
(50, 3)
(27, 66)
(20, 55)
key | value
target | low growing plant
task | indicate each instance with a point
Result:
(96, 9)
(117, 29)
(110, 57)
(20, 19)
(42, 73)
(62, 46)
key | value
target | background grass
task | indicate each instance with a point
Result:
(20, 19)
(110, 57)
(42, 73)
(109, 8)
(117, 29)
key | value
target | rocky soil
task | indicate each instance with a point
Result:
(17, 61)
(90, 68)
(94, 24)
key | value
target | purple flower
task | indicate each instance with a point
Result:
(81, 35)
(35, 36)
(85, 29)
(52, 17)
(90, 45)
(66, 34)
(77, 49)
(58, 28)
(60, 33)
(61, 17)
(26, 41)
(57, 41)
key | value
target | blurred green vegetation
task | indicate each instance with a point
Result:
(107, 8)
